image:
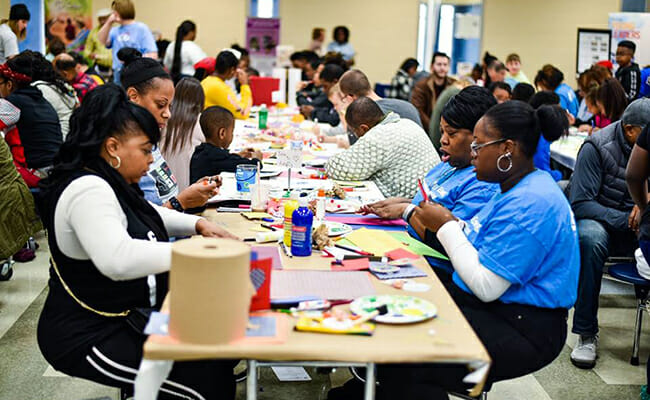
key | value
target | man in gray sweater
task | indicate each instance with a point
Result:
(391, 151)
(605, 215)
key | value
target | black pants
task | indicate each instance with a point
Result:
(115, 360)
(520, 340)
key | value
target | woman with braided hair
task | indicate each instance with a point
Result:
(39, 131)
(101, 278)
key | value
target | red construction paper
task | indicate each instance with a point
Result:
(401, 253)
(357, 264)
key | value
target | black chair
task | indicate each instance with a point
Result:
(627, 272)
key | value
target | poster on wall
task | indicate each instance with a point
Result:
(262, 37)
(69, 21)
(634, 27)
(593, 46)
(35, 36)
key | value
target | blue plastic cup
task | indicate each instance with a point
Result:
(245, 176)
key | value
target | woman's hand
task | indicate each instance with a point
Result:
(198, 194)
(387, 209)
(433, 215)
(206, 228)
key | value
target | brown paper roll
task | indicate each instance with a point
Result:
(210, 290)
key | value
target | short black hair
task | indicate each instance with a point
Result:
(409, 63)
(331, 73)
(214, 118)
(438, 54)
(628, 44)
(363, 111)
(139, 72)
(344, 29)
(499, 85)
(523, 91)
(65, 64)
(226, 60)
(544, 97)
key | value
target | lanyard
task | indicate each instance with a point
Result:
(445, 177)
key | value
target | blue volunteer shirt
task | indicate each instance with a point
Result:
(542, 158)
(568, 99)
(346, 50)
(528, 236)
(460, 192)
(136, 35)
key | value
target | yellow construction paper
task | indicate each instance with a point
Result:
(256, 215)
(375, 241)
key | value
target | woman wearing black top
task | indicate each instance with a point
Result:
(110, 252)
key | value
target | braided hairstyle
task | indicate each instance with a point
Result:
(42, 70)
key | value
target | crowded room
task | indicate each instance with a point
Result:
(292, 200)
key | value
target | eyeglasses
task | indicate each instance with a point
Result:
(474, 147)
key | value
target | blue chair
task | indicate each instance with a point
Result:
(627, 272)
(382, 89)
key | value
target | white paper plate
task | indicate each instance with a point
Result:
(337, 228)
(401, 309)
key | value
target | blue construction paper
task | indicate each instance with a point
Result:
(407, 271)
(266, 327)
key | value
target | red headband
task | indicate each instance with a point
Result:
(13, 75)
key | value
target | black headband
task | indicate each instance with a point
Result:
(142, 70)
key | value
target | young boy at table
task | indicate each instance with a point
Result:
(212, 157)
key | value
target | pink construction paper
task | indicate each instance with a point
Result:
(272, 252)
(366, 221)
(357, 264)
(401, 253)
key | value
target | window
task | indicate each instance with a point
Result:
(264, 8)
(446, 30)
(422, 33)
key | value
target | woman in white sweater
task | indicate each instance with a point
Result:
(110, 252)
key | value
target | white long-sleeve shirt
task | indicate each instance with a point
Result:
(89, 224)
(485, 284)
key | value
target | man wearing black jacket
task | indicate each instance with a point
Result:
(603, 210)
(628, 72)
(313, 99)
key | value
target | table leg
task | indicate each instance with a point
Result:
(150, 377)
(251, 380)
(370, 382)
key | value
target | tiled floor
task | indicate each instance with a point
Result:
(24, 374)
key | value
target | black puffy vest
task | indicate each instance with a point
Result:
(614, 153)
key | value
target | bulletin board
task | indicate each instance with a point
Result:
(593, 45)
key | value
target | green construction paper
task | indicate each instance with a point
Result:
(416, 246)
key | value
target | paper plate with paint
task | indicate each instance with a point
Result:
(337, 228)
(401, 309)
(270, 171)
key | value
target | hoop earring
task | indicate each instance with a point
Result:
(119, 162)
(508, 157)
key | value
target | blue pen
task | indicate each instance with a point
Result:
(592, 126)
(267, 219)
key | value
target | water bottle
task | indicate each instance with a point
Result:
(263, 116)
(301, 223)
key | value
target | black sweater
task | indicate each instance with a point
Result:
(209, 160)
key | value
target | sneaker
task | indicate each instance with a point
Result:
(586, 351)
(644, 393)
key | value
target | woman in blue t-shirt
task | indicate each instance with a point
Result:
(551, 78)
(516, 262)
(453, 182)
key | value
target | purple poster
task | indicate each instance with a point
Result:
(262, 36)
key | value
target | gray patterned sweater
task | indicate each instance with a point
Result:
(393, 154)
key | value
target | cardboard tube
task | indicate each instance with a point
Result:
(210, 290)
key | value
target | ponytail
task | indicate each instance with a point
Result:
(183, 29)
(553, 122)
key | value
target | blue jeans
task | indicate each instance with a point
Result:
(596, 245)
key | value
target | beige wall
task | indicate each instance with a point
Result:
(383, 32)
(4, 9)
(542, 32)
(220, 22)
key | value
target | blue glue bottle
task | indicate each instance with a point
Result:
(301, 223)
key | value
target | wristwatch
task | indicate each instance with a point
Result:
(176, 205)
